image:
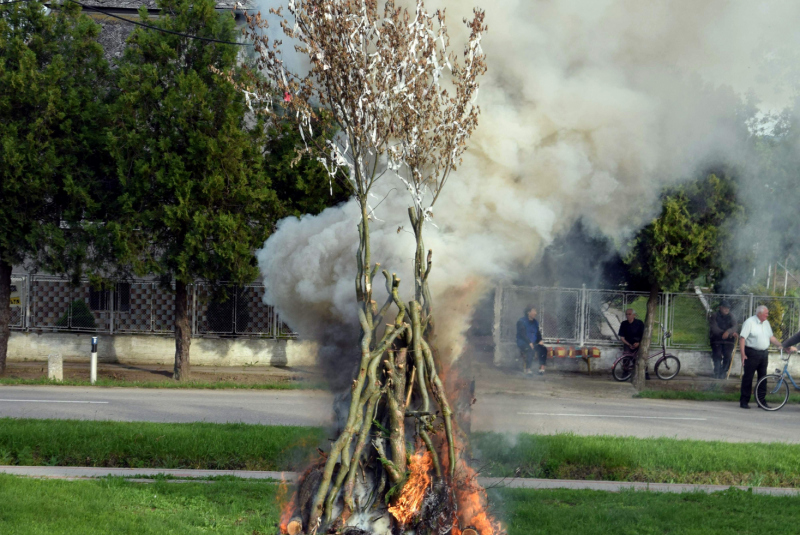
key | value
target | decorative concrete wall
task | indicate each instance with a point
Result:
(693, 362)
(151, 349)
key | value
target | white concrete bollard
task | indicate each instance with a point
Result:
(55, 367)
(93, 371)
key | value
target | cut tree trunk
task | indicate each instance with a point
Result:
(5, 311)
(183, 332)
(644, 348)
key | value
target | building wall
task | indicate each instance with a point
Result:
(149, 349)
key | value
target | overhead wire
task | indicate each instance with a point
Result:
(148, 26)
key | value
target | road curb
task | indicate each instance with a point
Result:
(75, 472)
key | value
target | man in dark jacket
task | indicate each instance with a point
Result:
(723, 332)
(529, 341)
(791, 342)
(630, 332)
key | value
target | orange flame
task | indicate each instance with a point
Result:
(471, 499)
(287, 506)
(410, 500)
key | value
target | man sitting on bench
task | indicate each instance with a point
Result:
(529, 342)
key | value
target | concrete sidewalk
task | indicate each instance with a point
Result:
(72, 473)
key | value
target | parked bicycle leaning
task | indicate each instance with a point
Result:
(772, 391)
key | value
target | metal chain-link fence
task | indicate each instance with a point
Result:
(588, 317)
(53, 304)
(605, 311)
(689, 316)
(558, 312)
(784, 314)
(19, 291)
(576, 316)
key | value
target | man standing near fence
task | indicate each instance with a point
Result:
(631, 331)
(722, 328)
(755, 337)
(529, 341)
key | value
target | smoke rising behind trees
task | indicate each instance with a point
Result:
(589, 109)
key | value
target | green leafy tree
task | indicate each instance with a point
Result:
(680, 244)
(194, 201)
(53, 82)
(301, 184)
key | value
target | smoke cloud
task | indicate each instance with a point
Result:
(589, 108)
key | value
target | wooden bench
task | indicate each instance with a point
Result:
(584, 353)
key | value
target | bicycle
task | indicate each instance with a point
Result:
(775, 387)
(667, 366)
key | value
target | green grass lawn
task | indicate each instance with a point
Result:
(115, 506)
(567, 456)
(255, 447)
(689, 322)
(156, 445)
(584, 512)
(34, 506)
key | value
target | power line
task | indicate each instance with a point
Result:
(149, 27)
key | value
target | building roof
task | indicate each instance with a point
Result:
(114, 31)
(134, 5)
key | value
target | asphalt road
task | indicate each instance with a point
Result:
(706, 420)
(268, 407)
(496, 411)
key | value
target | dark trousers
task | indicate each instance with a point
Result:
(756, 363)
(721, 355)
(527, 354)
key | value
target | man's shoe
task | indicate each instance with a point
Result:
(541, 372)
(744, 406)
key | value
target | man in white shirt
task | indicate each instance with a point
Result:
(755, 338)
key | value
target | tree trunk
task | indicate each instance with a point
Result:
(644, 348)
(5, 311)
(183, 332)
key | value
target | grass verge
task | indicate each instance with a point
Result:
(102, 382)
(701, 395)
(156, 445)
(255, 447)
(244, 507)
(663, 460)
(558, 512)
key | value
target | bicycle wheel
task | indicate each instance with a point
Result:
(668, 367)
(623, 369)
(772, 392)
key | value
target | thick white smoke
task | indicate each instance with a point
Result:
(588, 109)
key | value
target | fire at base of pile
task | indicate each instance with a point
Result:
(425, 505)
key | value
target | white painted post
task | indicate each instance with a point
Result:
(27, 302)
(112, 308)
(55, 367)
(785, 277)
(93, 369)
(582, 315)
(497, 325)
